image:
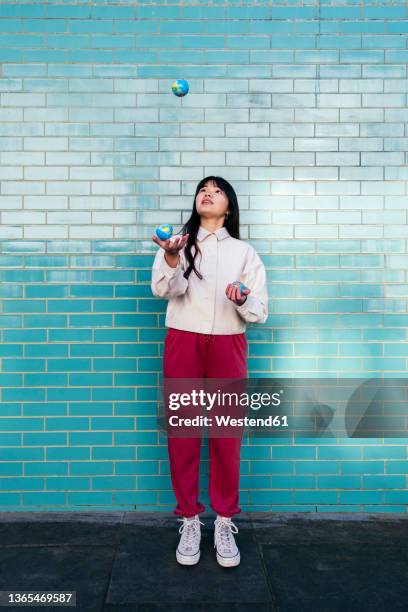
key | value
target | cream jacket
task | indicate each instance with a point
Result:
(201, 305)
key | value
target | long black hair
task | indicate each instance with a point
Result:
(191, 227)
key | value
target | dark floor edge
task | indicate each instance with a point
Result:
(280, 517)
(113, 517)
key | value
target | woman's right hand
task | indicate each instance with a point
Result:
(172, 247)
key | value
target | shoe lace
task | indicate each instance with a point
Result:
(189, 529)
(225, 529)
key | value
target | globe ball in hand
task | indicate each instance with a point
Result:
(164, 231)
(241, 285)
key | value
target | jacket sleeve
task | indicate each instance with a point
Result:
(168, 282)
(255, 307)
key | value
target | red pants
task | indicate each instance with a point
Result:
(193, 355)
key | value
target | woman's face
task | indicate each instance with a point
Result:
(211, 201)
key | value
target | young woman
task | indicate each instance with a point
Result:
(206, 316)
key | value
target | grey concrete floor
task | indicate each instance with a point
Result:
(126, 561)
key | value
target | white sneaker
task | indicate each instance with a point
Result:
(224, 541)
(188, 550)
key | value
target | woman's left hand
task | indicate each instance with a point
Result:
(234, 294)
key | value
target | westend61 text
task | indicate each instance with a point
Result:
(226, 421)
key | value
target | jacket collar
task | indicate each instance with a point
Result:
(220, 233)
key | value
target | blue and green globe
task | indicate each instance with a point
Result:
(180, 88)
(164, 232)
(241, 285)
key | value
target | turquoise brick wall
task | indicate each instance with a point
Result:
(303, 107)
